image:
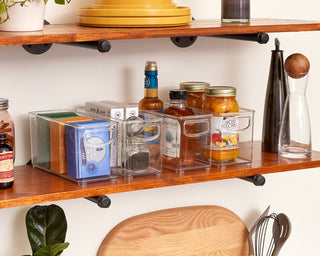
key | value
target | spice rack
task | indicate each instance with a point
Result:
(36, 186)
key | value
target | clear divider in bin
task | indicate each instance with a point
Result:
(73, 146)
(231, 138)
(184, 139)
(139, 144)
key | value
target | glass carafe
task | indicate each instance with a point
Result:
(295, 131)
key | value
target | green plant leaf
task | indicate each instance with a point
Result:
(46, 225)
(2, 7)
(52, 250)
(60, 1)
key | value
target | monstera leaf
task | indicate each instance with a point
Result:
(46, 227)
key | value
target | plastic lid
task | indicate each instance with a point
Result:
(194, 86)
(151, 66)
(4, 103)
(177, 94)
(221, 91)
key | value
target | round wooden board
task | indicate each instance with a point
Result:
(133, 21)
(132, 6)
(188, 231)
(90, 12)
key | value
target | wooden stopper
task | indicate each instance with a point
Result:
(297, 65)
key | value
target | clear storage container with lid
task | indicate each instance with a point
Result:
(195, 91)
(6, 122)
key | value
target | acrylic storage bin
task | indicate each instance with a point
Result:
(184, 139)
(73, 146)
(139, 144)
(231, 139)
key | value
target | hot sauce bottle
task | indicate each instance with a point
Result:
(224, 144)
(6, 163)
(178, 148)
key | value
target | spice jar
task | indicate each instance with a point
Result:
(195, 92)
(224, 141)
(6, 122)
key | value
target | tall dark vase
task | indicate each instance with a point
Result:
(276, 94)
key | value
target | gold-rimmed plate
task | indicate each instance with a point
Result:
(133, 21)
(134, 2)
(132, 6)
(90, 12)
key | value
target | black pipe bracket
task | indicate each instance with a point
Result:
(257, 179)
(102, 201)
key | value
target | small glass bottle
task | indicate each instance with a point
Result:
(235, 11)
(224, 144)
(195, 93)
(151, 101)
(6, 163)
(6, 122)
(178, 149)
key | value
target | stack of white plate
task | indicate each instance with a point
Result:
(134, 13)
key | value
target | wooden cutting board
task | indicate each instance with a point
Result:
(185, 231)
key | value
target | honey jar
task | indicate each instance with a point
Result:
(224, 139)
(195, 92)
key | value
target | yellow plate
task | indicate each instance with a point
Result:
(180, 11)
(133, 22)
(141, 6)
(134, 2)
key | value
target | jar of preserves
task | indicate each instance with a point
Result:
(224, 144)
(195, 92)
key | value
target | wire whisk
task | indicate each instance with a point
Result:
(267, 235)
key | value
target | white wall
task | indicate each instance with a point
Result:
(68, 76)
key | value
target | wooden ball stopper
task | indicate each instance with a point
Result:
(297, 65)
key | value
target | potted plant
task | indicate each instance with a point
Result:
(46, 229)
(23, 15)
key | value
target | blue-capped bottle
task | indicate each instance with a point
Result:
(151, 101)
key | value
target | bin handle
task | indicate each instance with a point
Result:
(147, 138)
(236, 118)
(196, 122)
(88, 132)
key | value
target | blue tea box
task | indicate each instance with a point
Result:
(87, 149)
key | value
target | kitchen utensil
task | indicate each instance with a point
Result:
(285, 230)
(194, 230)
(267, 235)
(253, 229)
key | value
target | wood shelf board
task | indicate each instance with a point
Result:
(63, 33)
(33, 186)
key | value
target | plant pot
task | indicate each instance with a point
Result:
(25, 18)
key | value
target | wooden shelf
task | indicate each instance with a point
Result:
(73, 33)
(33, 186)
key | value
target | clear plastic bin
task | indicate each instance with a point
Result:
(184, 140)
(231, 142)
(73, 146)
(139, 144)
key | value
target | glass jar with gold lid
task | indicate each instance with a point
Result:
(195, 91)
(224, 144)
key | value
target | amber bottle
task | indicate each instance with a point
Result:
(6, 163)
(178, 149)
(151, 101)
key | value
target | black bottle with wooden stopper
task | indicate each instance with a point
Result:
(276, 94)
(6, 163)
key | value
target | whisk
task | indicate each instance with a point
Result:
(267, 235)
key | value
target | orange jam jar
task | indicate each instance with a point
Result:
(224, 139)
(195, 92)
